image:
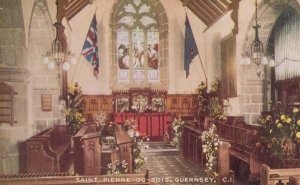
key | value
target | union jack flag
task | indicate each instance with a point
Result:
(90, 47)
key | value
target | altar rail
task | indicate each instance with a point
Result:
(279, 176)
(124, 179)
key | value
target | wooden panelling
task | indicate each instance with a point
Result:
(96, 103)
(182, 104)
(177, 104)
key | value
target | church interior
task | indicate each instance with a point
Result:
(146, 92)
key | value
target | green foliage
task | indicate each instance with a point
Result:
(75, 107)
(210, 147)
(138, 145)
(117, 168)
(177, 129)
(209, 103)
(276, 130)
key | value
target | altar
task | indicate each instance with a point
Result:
(152, 124)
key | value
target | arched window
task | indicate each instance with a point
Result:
(138, 55)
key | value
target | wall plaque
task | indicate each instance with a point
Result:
(46, 102)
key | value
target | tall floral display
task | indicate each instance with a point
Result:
(210, 102)
(210, 147)
(280, 136)
(177, 129)
(74, 109)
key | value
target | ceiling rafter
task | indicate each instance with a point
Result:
(195, 11)
(213, 7)
(73, 7)
(218, 4)
(204, 11)
(225, 2)
(208, 9)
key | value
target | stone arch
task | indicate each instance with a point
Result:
(158, 8)
(268, 13)
(255, 86)
(42, 80)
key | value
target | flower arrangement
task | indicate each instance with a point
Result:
(117, 168)
(209, 102)
(158, 103)
(100, 118)
(138, 146)
(210, 146)
(280, 134)
(74, 110)
(122, 104)
(177, 129)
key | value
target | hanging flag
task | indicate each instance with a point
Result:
(190, 49)
(90, 47)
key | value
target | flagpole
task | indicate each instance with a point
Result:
(206, 81)
(78, 61)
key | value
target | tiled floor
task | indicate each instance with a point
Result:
(167, 167)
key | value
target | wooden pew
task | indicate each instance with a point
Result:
(242, 138)
(294, 180)
(87, 150)
(48, 151)
(124, 148)
(192, 150)
(46, 179)
(278, 176)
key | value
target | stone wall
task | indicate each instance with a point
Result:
(13, 71)
(42, 80)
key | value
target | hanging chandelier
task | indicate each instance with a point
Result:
(257, 48)
(57, 57)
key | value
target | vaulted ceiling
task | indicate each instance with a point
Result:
(209, 11)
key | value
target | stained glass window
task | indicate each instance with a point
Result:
(137, 39)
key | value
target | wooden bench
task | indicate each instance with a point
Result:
(192, 150)
(270, 176)
(294, 180)
(48, 150)
(242, 138)
(91, 156)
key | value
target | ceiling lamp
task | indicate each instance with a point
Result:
(57, 57)
(257, 48)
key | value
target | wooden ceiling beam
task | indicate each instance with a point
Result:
(73, 7)
(225, 2)
(201, 17)
(213, 7)
(218, 4)
(208, 9)
(204, 11)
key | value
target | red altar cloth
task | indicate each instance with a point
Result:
(154, 125)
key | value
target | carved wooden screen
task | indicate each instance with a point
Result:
(6, 104)
(228, 50)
